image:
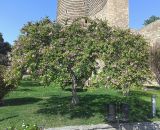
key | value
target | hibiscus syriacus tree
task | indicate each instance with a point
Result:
(5, 48)
(49, 52)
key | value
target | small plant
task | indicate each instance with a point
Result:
(29, 127)
(25, 127)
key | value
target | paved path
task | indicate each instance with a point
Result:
(127, 126)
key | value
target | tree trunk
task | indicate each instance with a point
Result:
(75, 99)
(1, 102)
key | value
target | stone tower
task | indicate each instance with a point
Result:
(115, 11)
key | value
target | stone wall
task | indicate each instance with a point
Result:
(115, 11)
(151, 32)
(70, 10)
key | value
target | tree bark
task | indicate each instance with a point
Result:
(75, 99)
(1, 102)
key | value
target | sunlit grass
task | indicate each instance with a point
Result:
(50, 106)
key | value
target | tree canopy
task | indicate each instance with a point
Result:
(1, 38)
(5, 48)
(49, 52)
(151, 20)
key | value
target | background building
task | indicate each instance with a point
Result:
(116, 12)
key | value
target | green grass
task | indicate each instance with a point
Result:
(34, 104)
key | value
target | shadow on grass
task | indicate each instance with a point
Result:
(94, 104)
(140, 93)
(28, 83)
(24, 90)
(78, 89)
(153, 87)
(20, 101)
(6, 118)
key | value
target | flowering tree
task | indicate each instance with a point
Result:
(49, 52)
(125, 55)
(5, 47)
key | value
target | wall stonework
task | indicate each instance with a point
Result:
(70, 10)
(151, 32)
(115, 11)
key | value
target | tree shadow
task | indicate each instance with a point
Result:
(140, 93)
(78, 89)
(153, 87)
(20, 101)
(24, 90)
(6, 118)
(28, 83)
(94, 104)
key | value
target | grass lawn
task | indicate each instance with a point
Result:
(50, 106)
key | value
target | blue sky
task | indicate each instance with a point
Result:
(15, 13)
